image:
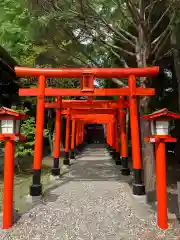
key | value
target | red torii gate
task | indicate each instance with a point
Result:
(112, 135)
(92, 116)
(96, 118)
(90, 104)
(102, 115)
(87, 75)
(85, 104)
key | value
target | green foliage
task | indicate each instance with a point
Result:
(72, 33)
(14, 22)
(27, 130)
(16, 25)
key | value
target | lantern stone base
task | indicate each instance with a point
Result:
(66, 159)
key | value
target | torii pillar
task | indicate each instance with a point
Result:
(57, 143)
(138, 185)
(72, 156)
(67, 142)
(123, 138)
(36, 187)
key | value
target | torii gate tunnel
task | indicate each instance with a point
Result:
(110, 113)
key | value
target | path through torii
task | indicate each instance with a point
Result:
(110, 113)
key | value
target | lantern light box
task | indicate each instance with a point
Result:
(10, 121)
(160, 121)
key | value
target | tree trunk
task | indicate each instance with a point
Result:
(51, 145)
(148, 160)
(51, 128)
(176, 57)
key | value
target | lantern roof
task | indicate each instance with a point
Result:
(4, 111)
(161, 114)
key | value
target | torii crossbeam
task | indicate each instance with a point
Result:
(85, 104)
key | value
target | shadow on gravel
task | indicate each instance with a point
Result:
(84, 170)
(88, 170)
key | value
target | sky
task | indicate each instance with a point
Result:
(96, 83)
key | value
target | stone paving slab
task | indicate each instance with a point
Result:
(93, 201)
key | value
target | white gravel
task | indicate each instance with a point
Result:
(92, 201)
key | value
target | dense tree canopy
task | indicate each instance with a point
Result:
(101, 33)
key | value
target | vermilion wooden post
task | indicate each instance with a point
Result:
(82, 132)
(81, 139)
(36, 187)
(57, 143)
(124, 151)
(80, 135)
(161, 192)
(160, 134)
(112, 138)
(117, 144)
(77, 136)
(138, 186)
(106, 136)
(73, 139)
(111, 134)
(8, 206)
(66, 157)
(161, 186)
(77, 133)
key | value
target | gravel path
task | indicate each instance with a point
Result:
(92, 201)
